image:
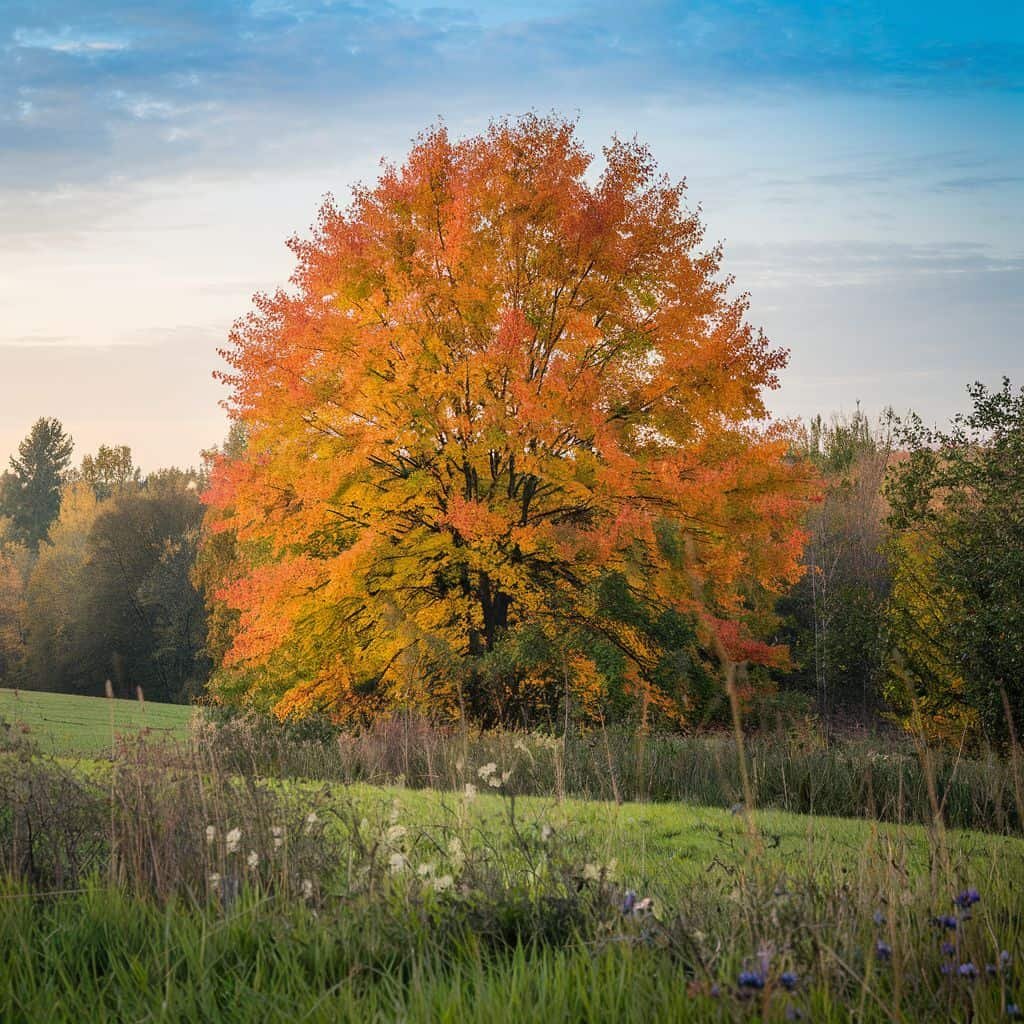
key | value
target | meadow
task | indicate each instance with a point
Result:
(183, 881)
(70, 725)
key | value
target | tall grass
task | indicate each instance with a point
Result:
(883, 777)
(169, 885)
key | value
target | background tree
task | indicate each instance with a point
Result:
(110, 471)
(15, 565)
(958, 519)
(30, 494)
(835, 616)
(504, 410)
(111, 597)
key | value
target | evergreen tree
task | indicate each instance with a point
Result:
(31, 492)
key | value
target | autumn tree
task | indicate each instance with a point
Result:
(507, 447)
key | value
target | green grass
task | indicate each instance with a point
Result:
(527, 932)
(73, 726)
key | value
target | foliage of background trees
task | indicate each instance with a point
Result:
(102, 591)
(835, 616)
(957, 614)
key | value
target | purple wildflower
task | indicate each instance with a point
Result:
(878, 917)
(968, 970)
(751, 979)
(789, 980)
(1004, 958)
(948, 948)
(967, 898)
(628, 902)
(715, 990)
(945, 921)
(1013, 1011)
(883, 950)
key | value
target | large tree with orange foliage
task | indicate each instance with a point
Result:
(506, 447)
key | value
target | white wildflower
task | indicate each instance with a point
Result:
(211, 834)
(485, 771)
(455, 853)
(278, 833)
(592, 872)
(443, 883)
(425, 870)
(307, 889)
(311, 820)
(470, 791)
(397, 863)
(253, 859)
(546, 833)
(395, 835)
(232, 839)
(214, 880)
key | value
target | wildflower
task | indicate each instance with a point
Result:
(253, 859)
(1013, 1011)
(443, 883)
(789, 980)
(644, 906)
(715, 991)
(470, 792)
(546, 833)
(485, 771)
(425, 870)
(395, 834)
(628, 902)
(883, 950)
(948, 948)
(968, 970)
(879, 918)
(455, 852)
(1004, 959)
(211, 834)
(750, 979)
(591, 872)
(307, 889)
(397, 863)
(967, 898)
(214, 880)
(311, 820)
(945, 921)
(792, 1013)
(278, 833)
(232, 839)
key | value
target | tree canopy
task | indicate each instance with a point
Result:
(506, 446)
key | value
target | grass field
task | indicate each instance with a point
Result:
(75, 726)
(194, 892)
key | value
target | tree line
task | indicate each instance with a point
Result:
(909, 607)
(95, 572)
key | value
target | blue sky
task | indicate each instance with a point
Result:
(863, 163)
